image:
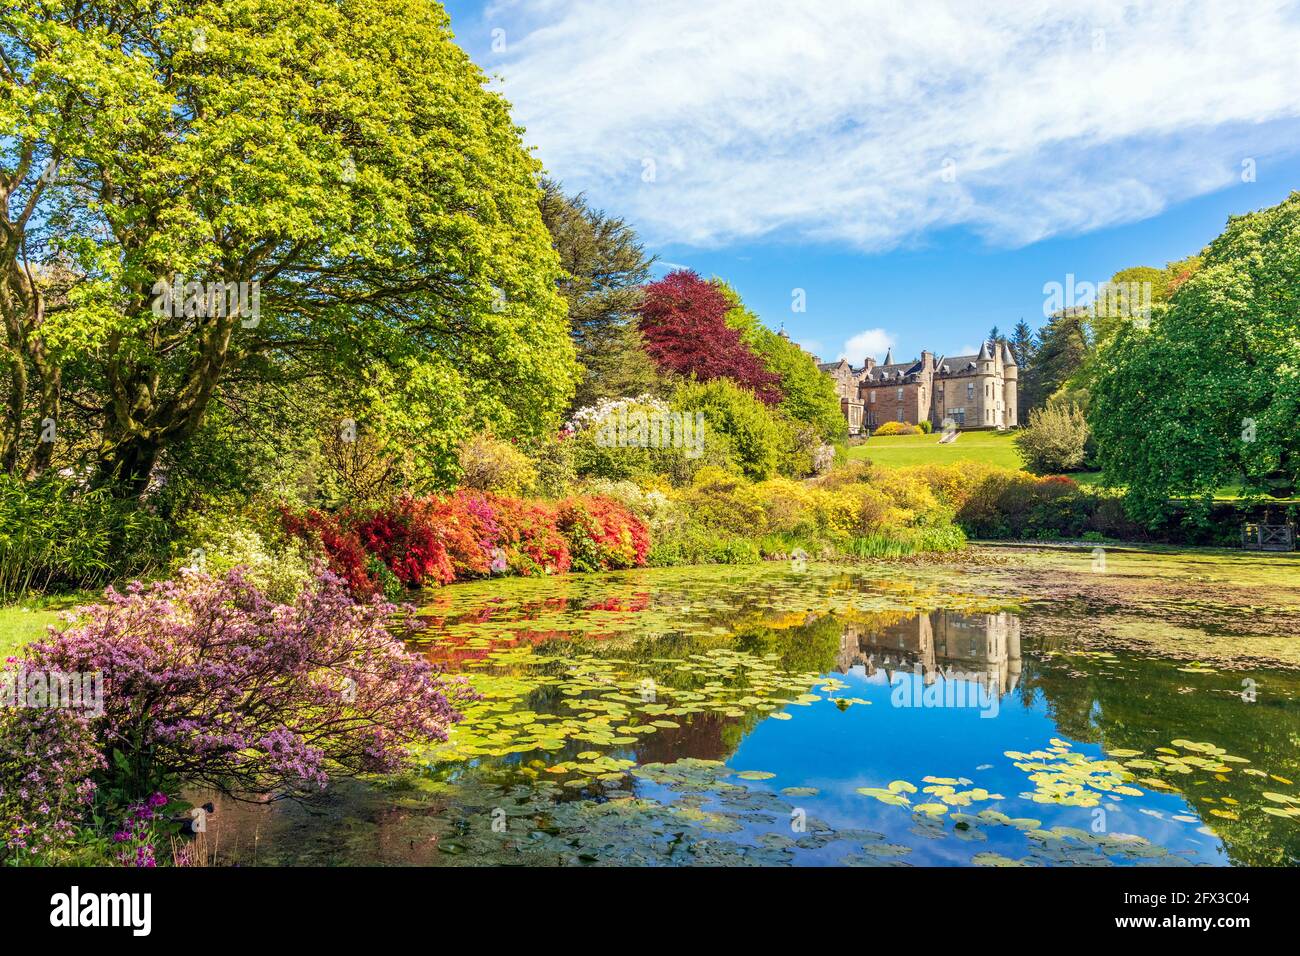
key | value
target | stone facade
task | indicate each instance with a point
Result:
(974, 391)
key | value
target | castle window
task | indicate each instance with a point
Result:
(900, 414)
(970, 391)
(873, 396)
(899, 396)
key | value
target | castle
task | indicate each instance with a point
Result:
(974, 391)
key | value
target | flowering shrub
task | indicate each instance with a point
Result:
(134, 843)
(278, 565)
(603, 534)
(208, 681)
(531, 538)
(896, 428)
(727, 502)
(489, 464)
(47, 759)
(341, 545)
(437, 540)
(406, 537)
(608, 409)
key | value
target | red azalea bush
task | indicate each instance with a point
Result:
(410, 545)
(343, 548)
(603, 534)
(472, 534)
(531, 537)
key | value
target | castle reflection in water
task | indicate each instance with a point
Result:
(983, 648)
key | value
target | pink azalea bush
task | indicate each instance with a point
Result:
(207, 681)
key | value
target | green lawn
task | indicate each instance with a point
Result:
(27, 620)
(996, 448)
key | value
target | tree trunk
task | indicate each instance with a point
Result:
(126, 465)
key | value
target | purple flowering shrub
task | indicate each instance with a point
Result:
(47, 762)
(208, 682)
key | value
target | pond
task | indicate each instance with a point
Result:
(1005, 708)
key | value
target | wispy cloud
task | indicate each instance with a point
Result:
(869, 122)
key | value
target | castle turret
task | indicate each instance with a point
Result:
(988, 389)
(1010, 387)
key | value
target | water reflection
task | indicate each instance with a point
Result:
(979, 648)
(805, 696)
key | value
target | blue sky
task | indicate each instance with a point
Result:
(919, 172)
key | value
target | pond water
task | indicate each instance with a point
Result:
(888, 715)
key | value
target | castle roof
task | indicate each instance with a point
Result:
(957, 366)
(1007, 357)
(893, 372)
(985, 355)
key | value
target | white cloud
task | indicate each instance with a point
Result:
(841, 120)
(873, 342)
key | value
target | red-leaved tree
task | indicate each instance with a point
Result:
(683, 321)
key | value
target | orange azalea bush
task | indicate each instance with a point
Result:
(470, 534)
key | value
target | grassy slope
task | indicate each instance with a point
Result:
(993, 447)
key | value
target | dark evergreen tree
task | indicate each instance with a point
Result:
(1062, 348)
(605, 268)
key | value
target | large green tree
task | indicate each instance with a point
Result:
(605, 267)
(1211, 391)
(341, 158)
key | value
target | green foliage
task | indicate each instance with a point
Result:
(1062, 349)
(346, 156)
(810, 394)
(489, 464)
(1211, 392)
(56, 535)
(739, 428)
(223, 537)
(634, 439)
(604, 267)
(1055, 439)
(553, 458)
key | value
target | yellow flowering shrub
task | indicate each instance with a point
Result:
(790, 506)
(720, 499)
